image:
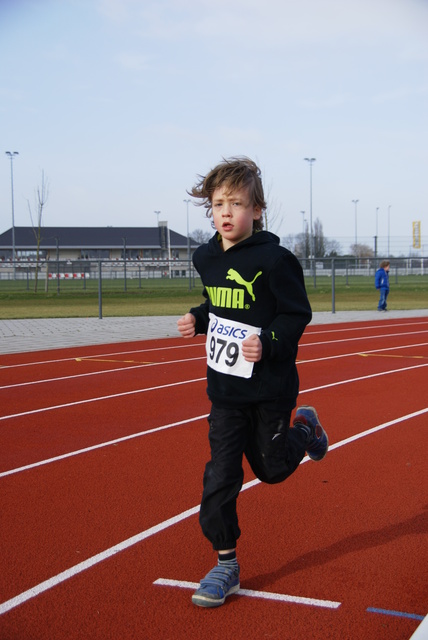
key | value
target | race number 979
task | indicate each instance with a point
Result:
(221, 351)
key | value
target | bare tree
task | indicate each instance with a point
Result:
(332, 248)
(361, 251)
(200, 236)
(290, 242)
(319, 242)
(272, 218)
(302, 246)
(40, 199)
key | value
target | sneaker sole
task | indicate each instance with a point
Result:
(205, 601)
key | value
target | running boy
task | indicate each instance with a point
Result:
(255, 312)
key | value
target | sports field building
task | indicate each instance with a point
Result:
(74, 249)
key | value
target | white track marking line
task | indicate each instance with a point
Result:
(382, 336)
(309, 331)
(101, 398)
(101, 445)
(126, 544)
(161, 428)
(367, 377)
(90, 562)
(144, 365)
(185, 360)
(358, 353)
(266, 595)
(421, 632)
(184, 382)
(313, 329)
(97, 355)
(196, 345)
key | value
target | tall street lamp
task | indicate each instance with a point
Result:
(11, 155)
(356, 236)
(376, 236)
(124, 263)
(304, 247)
(188, 243)
(389, 220)
(311, 161)
(157, 213)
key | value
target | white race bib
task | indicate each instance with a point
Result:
(224, 346)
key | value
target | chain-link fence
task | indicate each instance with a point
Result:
(83, 273)
(335, 275)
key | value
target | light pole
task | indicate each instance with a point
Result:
(157, 213)
(311, 161)
(375, 240)
(389, 220)
(188, 243)
(356, 236)
(303, 235)
(124, 263)
(11, 155)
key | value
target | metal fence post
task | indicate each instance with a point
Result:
(333, 287)
(100, 297)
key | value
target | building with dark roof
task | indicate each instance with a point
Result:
(94, 243)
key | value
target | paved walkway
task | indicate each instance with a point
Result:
(34, 335)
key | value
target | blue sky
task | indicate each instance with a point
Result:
(122, 103)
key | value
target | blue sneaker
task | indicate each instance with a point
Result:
(219, 583)
(318, 440)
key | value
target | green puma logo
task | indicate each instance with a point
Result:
(234, 275)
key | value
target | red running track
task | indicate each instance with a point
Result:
(103, 451)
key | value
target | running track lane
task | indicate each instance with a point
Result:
(252, 517)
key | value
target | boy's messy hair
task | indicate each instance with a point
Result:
(233, 173)
(384, 264)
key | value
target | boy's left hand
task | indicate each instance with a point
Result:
(252, 348)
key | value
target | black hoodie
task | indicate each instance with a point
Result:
(259, 283)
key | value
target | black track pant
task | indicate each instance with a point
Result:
(273, 450)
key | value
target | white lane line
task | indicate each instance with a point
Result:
(377, 337)
(184, 382)
(98, 355)
(126, 544)
(95, 357)
(359, 353)
(90, 562)
(367, 377)
(185, 345)
(421, 632)
(310, 331)
(144, 365)
(185, 360)
(161, 428)
(316, 328)
(266, 595)
(100, 398)
(100, 445)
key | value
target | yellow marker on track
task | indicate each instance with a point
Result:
(389, 355)
(105, 360)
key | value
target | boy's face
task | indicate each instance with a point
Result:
(233, 215)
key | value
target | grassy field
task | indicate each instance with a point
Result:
(173, 297)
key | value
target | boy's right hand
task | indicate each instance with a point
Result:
(186, 325)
